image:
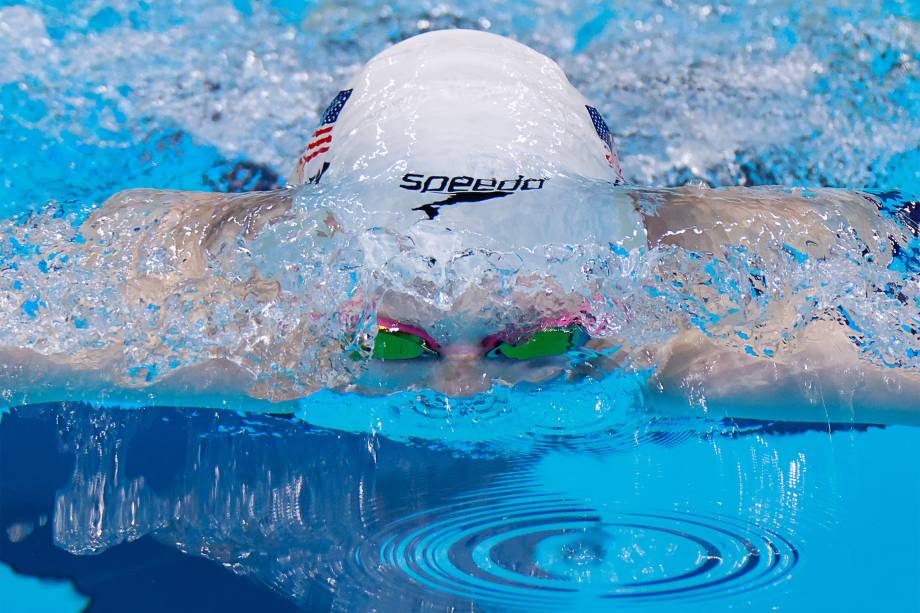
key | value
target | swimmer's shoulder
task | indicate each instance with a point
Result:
(248, 211)
(144, 198)
(820, 375)
(808, 220)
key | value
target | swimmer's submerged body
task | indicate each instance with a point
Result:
(456, 137)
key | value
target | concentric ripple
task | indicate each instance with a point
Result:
(516, 550)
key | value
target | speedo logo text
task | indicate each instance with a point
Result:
(464, 189)
(450, 185)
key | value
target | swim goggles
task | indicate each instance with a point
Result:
(398, 341)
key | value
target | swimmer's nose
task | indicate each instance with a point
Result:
(462, 352)
(461, 372)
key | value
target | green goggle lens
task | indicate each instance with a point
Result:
(545, 343)
(396, 345)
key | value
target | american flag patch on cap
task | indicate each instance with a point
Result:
(310, 164)
(603, 132)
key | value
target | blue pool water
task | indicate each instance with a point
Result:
(720, 515)
(562, 500)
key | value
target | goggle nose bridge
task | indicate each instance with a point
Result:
(398, 341)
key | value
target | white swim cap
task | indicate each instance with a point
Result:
(462, 113)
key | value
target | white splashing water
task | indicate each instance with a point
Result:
(727, 93)
(695, 92)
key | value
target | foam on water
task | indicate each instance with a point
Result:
(809, 95)
(126, 290)
(96, 98)
(570, 497)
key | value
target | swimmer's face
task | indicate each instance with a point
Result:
(461, 367)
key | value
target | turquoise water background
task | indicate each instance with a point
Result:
(360, 504)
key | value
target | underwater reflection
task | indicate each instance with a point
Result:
(335, 520)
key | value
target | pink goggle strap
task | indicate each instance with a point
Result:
(395, 326)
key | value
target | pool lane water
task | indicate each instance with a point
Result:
(181, 509)
(764, 516)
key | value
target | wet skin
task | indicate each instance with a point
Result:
(821, 374)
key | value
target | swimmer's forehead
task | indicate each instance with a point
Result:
(466, 314)
(475, 312)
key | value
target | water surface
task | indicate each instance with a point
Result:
(560, 498)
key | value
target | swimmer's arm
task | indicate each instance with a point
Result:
(204, 215)
(809, 221)
(822, 379)
(27, 378)
(193, 227)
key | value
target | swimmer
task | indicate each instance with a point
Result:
(457, 136)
